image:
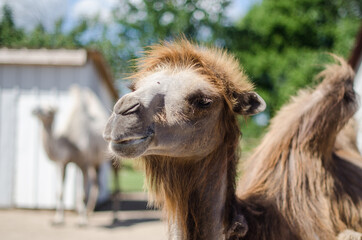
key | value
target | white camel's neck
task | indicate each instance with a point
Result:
(48, 140)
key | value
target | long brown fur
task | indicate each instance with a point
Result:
(304, 182)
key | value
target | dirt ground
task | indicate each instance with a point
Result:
(18, 224)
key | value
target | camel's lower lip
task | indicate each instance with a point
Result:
(131, 147)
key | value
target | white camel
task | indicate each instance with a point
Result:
(80, 141)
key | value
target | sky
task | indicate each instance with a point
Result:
(27, 13)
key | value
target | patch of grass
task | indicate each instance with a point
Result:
(130, 178)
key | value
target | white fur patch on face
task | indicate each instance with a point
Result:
(175, 86)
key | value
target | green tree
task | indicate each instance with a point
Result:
(147, 22)
(282, 43)
(13, 36)
(10, 35)
(40, 38)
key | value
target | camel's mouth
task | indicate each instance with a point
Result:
(132, 146)
(131, 141)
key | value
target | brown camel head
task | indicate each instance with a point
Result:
(45, 114)
(180, 94)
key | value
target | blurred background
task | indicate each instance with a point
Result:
(281, 45)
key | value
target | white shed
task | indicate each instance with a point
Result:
(29, 78)
(355, 61)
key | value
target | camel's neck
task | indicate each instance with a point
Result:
(198, 195)
(203, 218)
(48, 139)
(193, 194)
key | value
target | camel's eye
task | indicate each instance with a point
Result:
(203, 102)
(200, 101)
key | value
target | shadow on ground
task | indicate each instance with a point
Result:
(124, 205)
(130, 222)
(141, 212)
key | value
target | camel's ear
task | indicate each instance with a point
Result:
(248, 103)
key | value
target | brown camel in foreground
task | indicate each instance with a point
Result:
(181, 120)
(304, 181)
(80, 143)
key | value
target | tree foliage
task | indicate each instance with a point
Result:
(282, 43)
(10, 35)
(16, 37)
(137, 24)
(148, 21)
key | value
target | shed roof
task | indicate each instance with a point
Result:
(60, 57)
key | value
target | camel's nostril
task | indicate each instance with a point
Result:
(129, 110)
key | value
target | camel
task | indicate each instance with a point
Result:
(81, 143)
(181, 121)
(304, 181)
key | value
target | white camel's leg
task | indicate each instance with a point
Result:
(80, 203)
(93, 190)
(59, 213)
(89, 178)
(349, 234)
(115, 195)
(83, 215)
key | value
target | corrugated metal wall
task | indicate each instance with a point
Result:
(358, 89)
(27, 176)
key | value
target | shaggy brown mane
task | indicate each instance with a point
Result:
(300, 183)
